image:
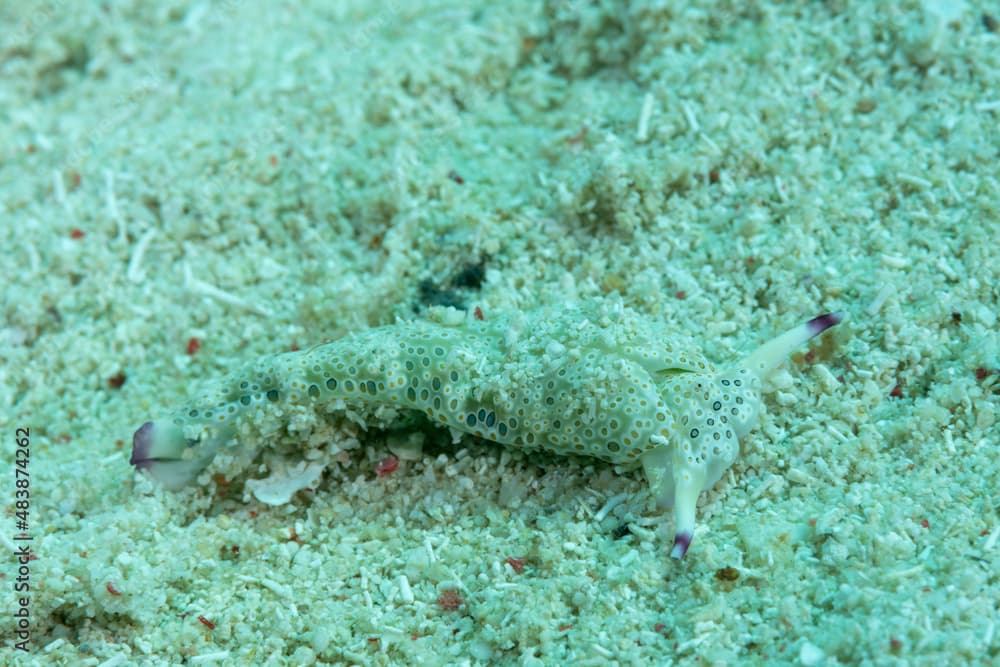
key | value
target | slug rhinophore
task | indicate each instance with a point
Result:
(594, 379)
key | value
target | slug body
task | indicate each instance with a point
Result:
(594, 380)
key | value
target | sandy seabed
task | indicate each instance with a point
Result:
(185, 186)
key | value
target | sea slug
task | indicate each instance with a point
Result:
(593, 379)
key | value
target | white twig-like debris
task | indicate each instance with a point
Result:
(915, 181)
(430, 550)
(876, 305)
(405, 592)
(613, 502)
(642, 132)
(214, 292)
(111, 202)
(34, 261)
(205, 658)
(134, 272)
(779, 188)
(988, 635)
(991, 541)
(58, 189)
(279, 590)
(692, 120)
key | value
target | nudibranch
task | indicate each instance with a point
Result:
(593, 379)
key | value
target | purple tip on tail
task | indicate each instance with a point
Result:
(142, 443)
(681, 543)
(818, 325)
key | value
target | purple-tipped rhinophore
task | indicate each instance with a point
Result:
(142, 444)
(681, 543)
(161, 449)
(818, 325)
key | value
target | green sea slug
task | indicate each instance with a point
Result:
(593, 379)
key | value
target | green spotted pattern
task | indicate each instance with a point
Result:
(593, 381)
